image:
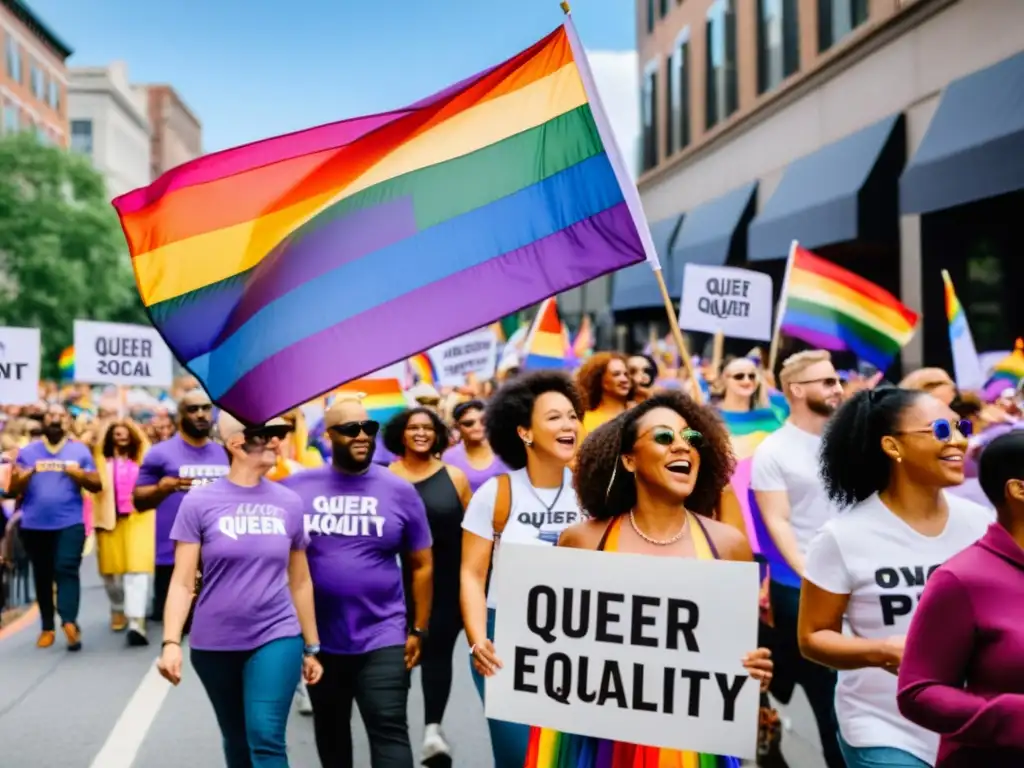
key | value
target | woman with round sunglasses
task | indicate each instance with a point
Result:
(417, 437)
(649, 481)
(254, 632)
(888, 457)
(473, 454)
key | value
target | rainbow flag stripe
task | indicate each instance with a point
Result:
(831, 308)
(278, 269)
(423, 369)
(66, 364)
(1007, 373)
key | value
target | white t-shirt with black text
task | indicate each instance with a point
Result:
(882, 563)
(529, 521)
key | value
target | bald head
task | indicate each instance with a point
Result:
(194, 397)
(353, 435)
(345, 410)
(195, 413)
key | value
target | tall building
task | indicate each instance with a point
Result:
(110, 124)
(177, 134)
(887, 135)
(33, 78)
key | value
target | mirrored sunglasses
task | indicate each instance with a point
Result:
(666, 437)
(942, 429)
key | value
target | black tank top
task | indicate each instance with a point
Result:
(444, 514)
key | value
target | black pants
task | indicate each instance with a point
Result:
(379, 684)
(56, 558)
(792, 669)
(438, 649)
(162, 583)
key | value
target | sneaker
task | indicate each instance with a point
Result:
(434, 745)
(46, 638)
(118, 622)
(302, 700)
(137, 634)
(73, 635)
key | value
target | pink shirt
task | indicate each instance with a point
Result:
(126, 472)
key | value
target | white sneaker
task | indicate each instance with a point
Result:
(302, 700)
(434, 743)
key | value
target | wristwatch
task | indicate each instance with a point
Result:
(420, 633)
(311, 650)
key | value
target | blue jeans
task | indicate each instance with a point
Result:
(251, 693)
(878, 757)
(509, 741)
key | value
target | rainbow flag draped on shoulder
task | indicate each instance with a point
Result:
(277, 270)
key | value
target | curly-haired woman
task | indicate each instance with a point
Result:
(533, 427)
(605, 386)
(650, 480)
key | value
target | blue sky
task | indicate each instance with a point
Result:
(257, 68)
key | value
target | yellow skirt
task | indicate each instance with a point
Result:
(130, 547)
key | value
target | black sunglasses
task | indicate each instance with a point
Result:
(828, 381)
(744, 377)
(258, 437)
(942, 429)
(352, 429)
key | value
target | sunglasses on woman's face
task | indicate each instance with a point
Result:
(744, 377)
(351, 429)
(666, 437)
(942, 429)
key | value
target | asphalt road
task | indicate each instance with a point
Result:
(106, 708)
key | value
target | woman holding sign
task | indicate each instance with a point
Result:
(650, 480)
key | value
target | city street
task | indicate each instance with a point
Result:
(107, 708)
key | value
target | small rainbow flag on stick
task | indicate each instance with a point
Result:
(831, 308)
(966, 365)
(1007, 373)
(423, 370)
(66, 364)
(547, 345)
(462, 208)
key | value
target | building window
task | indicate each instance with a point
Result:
(837, 19)
(649, 117)
(81, 137)
(55, 95)
(13, 60)
(11, 118)
(678, 81)
(38, 83)
(778, 42)
(650, 16)
(721, 91)
(663, 8)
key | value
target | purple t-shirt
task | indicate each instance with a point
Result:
(456, 456)
(177, 458)
(52, 499)
(358, 526)
(247, 536)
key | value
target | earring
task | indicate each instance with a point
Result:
(899, 459)
(527, 443)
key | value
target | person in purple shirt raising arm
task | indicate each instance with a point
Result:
(52, 472)
(254, 632)
(362, 519)
(962, 674)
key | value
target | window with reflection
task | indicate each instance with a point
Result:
(837, 19)
(721, 91)
(649, 116)
(778, 42)
(678, 84)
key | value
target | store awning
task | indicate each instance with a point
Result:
(845, 191)
(714, 231)
(635, 287)
(974, 146)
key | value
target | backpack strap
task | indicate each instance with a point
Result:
(502, 505)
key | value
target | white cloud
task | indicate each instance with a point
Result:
(618, 83)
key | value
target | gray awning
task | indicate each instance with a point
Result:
(635, 287)
(845, 191)
(714, 232)
(974, 146)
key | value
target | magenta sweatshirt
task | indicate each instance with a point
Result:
(962, 674)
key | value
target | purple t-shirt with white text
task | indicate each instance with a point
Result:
(246, 535)
(358, 526)
(52, 499)
(177, 458)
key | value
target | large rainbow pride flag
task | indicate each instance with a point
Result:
(279, 269)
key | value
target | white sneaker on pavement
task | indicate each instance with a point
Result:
(302, 700)
(434, 743)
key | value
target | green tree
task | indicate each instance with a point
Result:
(62, 254)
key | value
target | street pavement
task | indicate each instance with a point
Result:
(105, 707)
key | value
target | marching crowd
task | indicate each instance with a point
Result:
(333, 558)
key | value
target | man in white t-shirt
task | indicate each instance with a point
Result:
(793, 505)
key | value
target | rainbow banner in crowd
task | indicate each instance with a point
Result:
(423, 370)
(831, 308)
(547, 346)
(279, 269)
(1007, 373)
(966, 365)
(66, 364)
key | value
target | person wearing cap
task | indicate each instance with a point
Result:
(363, 520)
(962, 674)
(169, 470)
(254, 632)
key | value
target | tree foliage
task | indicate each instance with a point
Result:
(62, 254)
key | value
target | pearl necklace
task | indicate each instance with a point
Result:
(656, 542)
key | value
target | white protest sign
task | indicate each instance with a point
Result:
(122, 354)
(19, 366)
(638, 649)
(475, 352)
(737, 302)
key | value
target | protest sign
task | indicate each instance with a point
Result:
(19, 366)
(117, 353)
(475, 352)
(644, 650)
(737, 302)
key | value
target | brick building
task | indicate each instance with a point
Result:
(33, 78)
(176, 133)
